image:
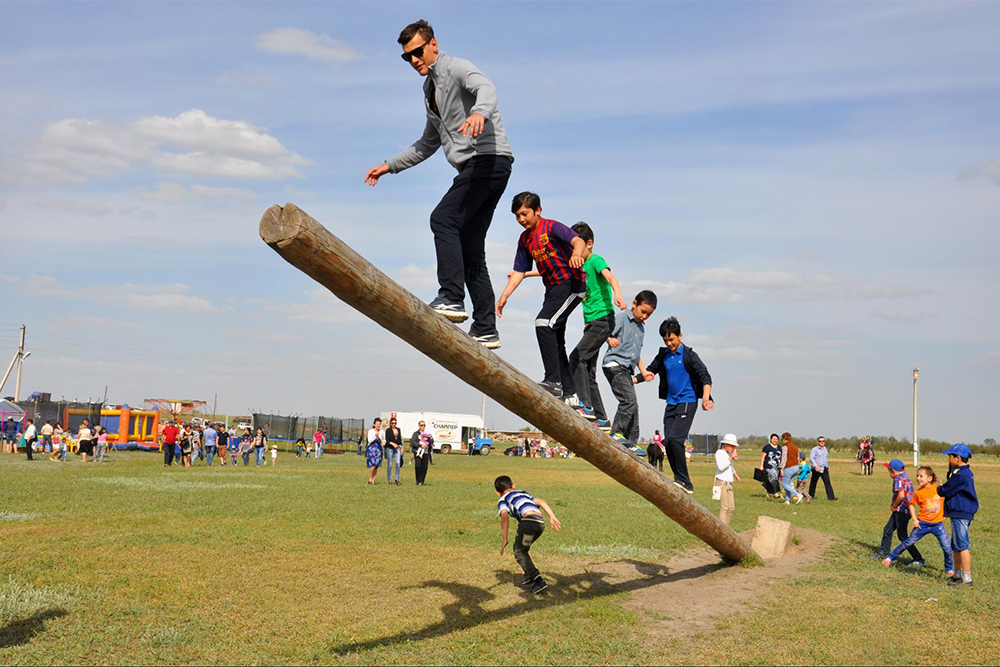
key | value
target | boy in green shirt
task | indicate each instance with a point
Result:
(603, 294)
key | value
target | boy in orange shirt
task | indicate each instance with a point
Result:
(929, 520)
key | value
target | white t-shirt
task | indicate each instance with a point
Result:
(723, 466)
(47, 429)
(30, 432)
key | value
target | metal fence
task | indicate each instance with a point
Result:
(289, 427)
(706, 443)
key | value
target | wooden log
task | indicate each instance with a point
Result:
(307, 245)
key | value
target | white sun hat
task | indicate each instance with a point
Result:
(730, 439)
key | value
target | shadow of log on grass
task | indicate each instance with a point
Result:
(21, 630)
(467, 610)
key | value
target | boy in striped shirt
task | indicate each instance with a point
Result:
(530, 526)
(557, 251)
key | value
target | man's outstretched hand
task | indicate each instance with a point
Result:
(371, 178)
(473, 126)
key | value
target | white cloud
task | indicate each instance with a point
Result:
(898, 315)
(683, 293)
(988, 170)
(9, 279)
(192, 142)
(81, 208)
(173, 297)
(321, 308)
(181, 303)
(416, 278)
(295, 41)
(295, 192)
(92, 322)
(262, 336)
(732, 278)
(242, 79)
(175, 192)
(725, 285)
(166, 192)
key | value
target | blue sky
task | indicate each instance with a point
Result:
(813, 189)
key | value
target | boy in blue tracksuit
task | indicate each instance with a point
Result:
(960, 505)
(684, 382)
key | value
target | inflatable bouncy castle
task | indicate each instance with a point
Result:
(131, 429)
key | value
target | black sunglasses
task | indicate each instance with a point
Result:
(418, 52)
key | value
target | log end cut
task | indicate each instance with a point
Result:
(280, 225)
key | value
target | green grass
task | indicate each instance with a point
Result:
(304, 563)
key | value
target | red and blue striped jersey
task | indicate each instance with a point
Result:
(549, 246)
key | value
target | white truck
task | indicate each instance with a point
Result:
(451, 432)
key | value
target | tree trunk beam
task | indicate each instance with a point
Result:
(308, 246)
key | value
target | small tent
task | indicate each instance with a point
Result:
(9, 409)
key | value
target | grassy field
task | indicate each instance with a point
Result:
(304, 563)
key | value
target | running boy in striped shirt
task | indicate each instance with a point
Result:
(530, 526)
(558, 252)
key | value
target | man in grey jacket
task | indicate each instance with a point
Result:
(460, 103)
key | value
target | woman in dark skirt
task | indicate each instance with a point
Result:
(373, 454)
(770, 462)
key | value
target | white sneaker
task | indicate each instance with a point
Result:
(454, 312)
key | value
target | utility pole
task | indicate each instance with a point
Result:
(484, 411)
(215, 407)
(20, 363)
(916, 443)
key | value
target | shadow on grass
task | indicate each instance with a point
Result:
(467, 611)
(22, 630)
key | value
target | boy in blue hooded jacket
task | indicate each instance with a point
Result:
(960, 505)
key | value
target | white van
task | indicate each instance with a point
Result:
(451, 431)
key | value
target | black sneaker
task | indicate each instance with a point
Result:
(957, 580)
(489, 341)
(527, 581)
(454, 312)
(539, 586)
(554, 388)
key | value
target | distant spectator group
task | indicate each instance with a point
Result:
(187, 443)
(784, 471)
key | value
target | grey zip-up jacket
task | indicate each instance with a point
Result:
(460, 90)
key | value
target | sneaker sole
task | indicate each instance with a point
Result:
(539, 589)
(457, 318)
(494, 345)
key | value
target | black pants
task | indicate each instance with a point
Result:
(550, 330)
(420, 464)
(528, 533)
(826, 483)
(583, 362)
(897, 523)
(677, 420)
(168, 453)
(27, 447)
(627, 417)
(459, 224)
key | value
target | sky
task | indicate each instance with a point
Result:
(812, 189)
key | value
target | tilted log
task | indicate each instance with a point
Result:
(307, 245)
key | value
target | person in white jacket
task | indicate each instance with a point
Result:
(725, 475)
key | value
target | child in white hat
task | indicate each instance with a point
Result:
(725, 475)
